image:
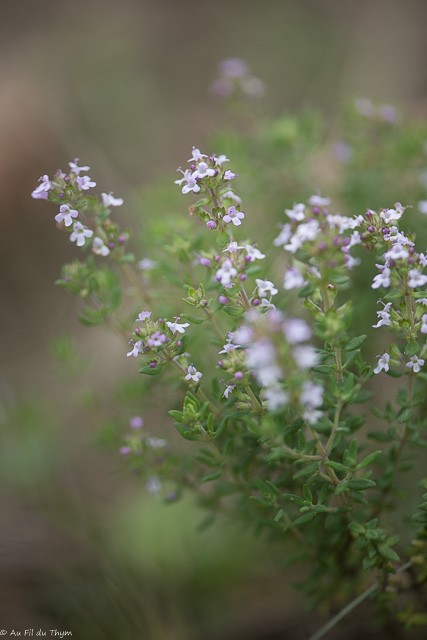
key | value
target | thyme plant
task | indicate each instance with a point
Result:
(291, 424)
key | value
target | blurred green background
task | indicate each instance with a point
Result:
(124, 86)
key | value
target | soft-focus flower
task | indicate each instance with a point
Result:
(109, 200)
(229, 175)
(424, 323)
(143, 316)
(252, 253)
(66, 215)
(293, 279)
(146, 264)
(416, 279)
(153, 485)
(136, 422)
(196, 155)
(318, 201)
(311, 394)
(100, 248)
(297, 213)
(156, 443)
(422, 206)
(203, 170)
(275, 398)
(296, 331)
(305, 356)
(41, 192)
(226, 273)
(85, 182)
(229, 389)
(75, 167)
(219, 160)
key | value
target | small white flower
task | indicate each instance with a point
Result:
(383, 363)
(293, 279)
(397, 252)
(153, 485)
(231, 196)
(382, 279)
(232, 247)
(109, 200)
(305, 356)
(384, 317)
(253, 253)
(229, 389)
(226, 273)
(297, 213)
(424, 323)
(41, 192)
(265, 287)
(80, 233)
(234, 216)
(136, 349)
(66, 215)
(156, 443)
(221, 159)
(415, 363)
(311, 394)
(177, 327)
(275, 398)
(193, 374)
(422, 206)
(143, 316)
(85, 182)
(318, 201)
(229, 175)
(75, 167)
(100, 248)
(203, 170)
(416, 279)
(312, 416)
(390, 215)
(196, 155)
(296, 331)
(146, 264)
(284, 236)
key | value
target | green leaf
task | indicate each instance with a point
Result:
(360, 484)
(212, 476)
(355, 343)
(176, 414)
(192, 319)
(388, 553)
(368, 460)
(412, 348)
(304, 518)
(151, 371)
(306, 471)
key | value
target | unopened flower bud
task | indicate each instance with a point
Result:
(211, 224)
(223, 299)
(238, 375)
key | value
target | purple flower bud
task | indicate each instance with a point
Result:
(255, 302)
(248, 258)
(67, 179)
(220, 363)
(111, 245)
(136, 422)
(391, 263)
(217, 258)
(152, 364)
(205, 262)
(223, 299)
(238, 375)
(211, 224)
(243, 277)
(192, 167)
(411, 249)
(385, 230)
(138, 331)
(321, 246)
(216, 173)
(316, 210)
(161, 321)
(147, 349)
(61, 195)
(411, 260)
(122, 238)
(371, 229)
(346, 241)
(179, 343)
(368, 214)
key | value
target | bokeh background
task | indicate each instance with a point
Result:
(124, 86)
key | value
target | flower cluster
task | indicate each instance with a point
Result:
(84, 216)
(234, 77)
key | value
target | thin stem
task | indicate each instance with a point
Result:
(351, 605)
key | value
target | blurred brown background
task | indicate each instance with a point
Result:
(124, 86)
